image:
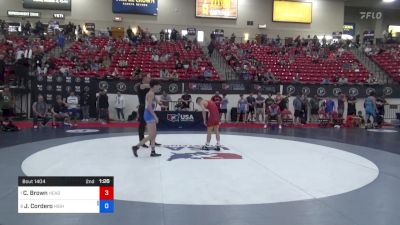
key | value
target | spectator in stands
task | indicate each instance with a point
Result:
(296, 78)
(64, 70)
(115, 73)
(186, 64)
(133, 51)
(326, 80)
(195, 64)
(260, 77)
(120, 106)
(2, 69)
(270, 77)
(207, 74)
(102, 106)
(40, 111)
(73, 108)
(298, 109)
(372, 79)
(165, 100)
(174, 75)
(224, 106)
(343, 80)
(178, 64)
(61, 41)
(186, 101)
(164, 74)
(274, 113)
(123, 63)
(85, 105)
(60, 112)
(155, 57)
(42, 69)
(136, 73)
(251, 102)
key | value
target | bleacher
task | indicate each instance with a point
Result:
(309, 71)
(389, 60)
(142, 59)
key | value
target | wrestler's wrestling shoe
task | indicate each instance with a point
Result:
(134, 150)
(154, 154)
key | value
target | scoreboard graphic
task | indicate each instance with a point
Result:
(147, 7)
(226, 9)
(65, 195)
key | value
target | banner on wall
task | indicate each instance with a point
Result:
(131, 87)
(349, 29)
(48, 4)
(147, 7)
(225, 9)
(230, 87)
(334, 91)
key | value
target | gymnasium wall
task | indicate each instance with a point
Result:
(389, 17)
(327, 17)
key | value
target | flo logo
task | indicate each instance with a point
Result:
(371, 15)
(180, 117)
(181, 152)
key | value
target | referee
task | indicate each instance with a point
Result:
(142, 92)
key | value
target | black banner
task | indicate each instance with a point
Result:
(180, 120)
(48, 4)
(230, 87)
(130, 87)
(359, 91)
(52, 86)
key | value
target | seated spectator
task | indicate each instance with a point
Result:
(155, 57)
(64, 70)
(133, 51)
(165, 57)
(296, 78)
(178, 64)
(343, 80)
(115, 73)
(207, 74)
(274, 113)
(165, 99)
(164, 73)
(174, 75)
(123, 63)
(60, 112)
(40, 111)
(42, 70)
(372, 79)
(186, 101)
(355, 68)
(186, 64)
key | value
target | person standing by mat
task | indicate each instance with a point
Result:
(151, 120)
(142, 92)
(212, 123)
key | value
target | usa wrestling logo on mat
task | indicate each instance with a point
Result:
(195, 152)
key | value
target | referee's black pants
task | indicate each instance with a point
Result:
(142, 125)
